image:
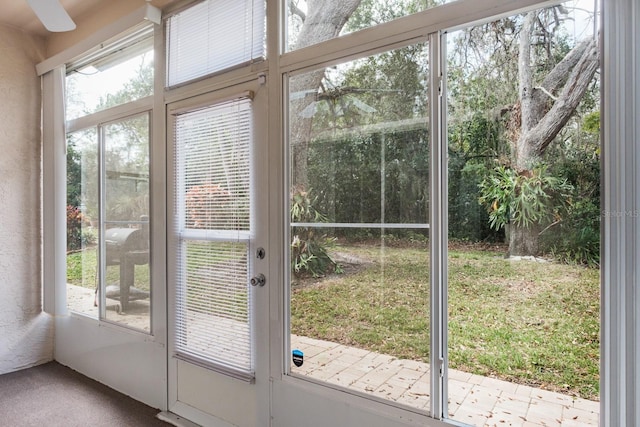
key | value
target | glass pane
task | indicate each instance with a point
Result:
(213, 304)
(212, 36)
(213, 231)
(524, 220)
(127, 282)
(214, 149)
(82, 221)
(359, 308)
(118, 78)
(311, 22)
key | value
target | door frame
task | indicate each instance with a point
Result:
(195, 392)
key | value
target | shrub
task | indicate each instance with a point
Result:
(206, 206)
(467, 218)
(577, 239)
(75, 219)
(309, 246)
(523, 199)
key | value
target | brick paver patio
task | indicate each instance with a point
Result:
(473, 399)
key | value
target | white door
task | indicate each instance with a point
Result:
(217, 272)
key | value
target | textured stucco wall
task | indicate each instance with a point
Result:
(26, 333)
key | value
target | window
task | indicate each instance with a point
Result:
(311, 22)
(113, 75)
(369, 150)
(212, 36)
(108, 274)
(359, 186)
(213, 232)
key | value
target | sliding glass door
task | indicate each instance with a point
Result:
(523, 218)
(432, 254)
(358, 282)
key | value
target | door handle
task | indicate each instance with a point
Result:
(258, 280)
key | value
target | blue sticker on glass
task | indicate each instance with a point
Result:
(298, 358)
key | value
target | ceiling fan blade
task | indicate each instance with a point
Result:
(52, 15)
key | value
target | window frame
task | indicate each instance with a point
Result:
(428, 24)
(210, 71)
(182, 233)
(78, 335)
(620, 277)
(98, 120)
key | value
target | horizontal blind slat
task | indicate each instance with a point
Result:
(213, 298)
(212, 36)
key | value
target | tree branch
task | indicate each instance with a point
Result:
(296, 10)
(557, 75)
(324, 20)
(546, 92)
(557, 117)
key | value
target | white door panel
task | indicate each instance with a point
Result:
(127, 361)
(217, 320)
(218, 393)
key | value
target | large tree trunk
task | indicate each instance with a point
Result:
(521, 242)
(324, 20)
(544, 111)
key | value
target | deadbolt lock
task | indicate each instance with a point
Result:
(258, 280)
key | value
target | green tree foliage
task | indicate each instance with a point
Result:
(74, 175)
(355, 149)
(126, 156)
(349, 173)
(474, 144)
(138, 87)
(576, 239)
(373, 12)
(77, 236)
(485, 70)
(368, 162)
(127, 169)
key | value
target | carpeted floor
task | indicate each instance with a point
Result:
(52, 395)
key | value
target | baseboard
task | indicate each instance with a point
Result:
(175, 419)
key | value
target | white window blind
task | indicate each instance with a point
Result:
(212, 36)
(213, 214)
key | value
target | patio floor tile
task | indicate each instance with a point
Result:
(587, 405)
(473, 399)
(571, 416)
(545, 413)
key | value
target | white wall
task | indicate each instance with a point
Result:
(26, 333)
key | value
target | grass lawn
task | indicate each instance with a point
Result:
(527, 322)
(81, 271)
(206, 260)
